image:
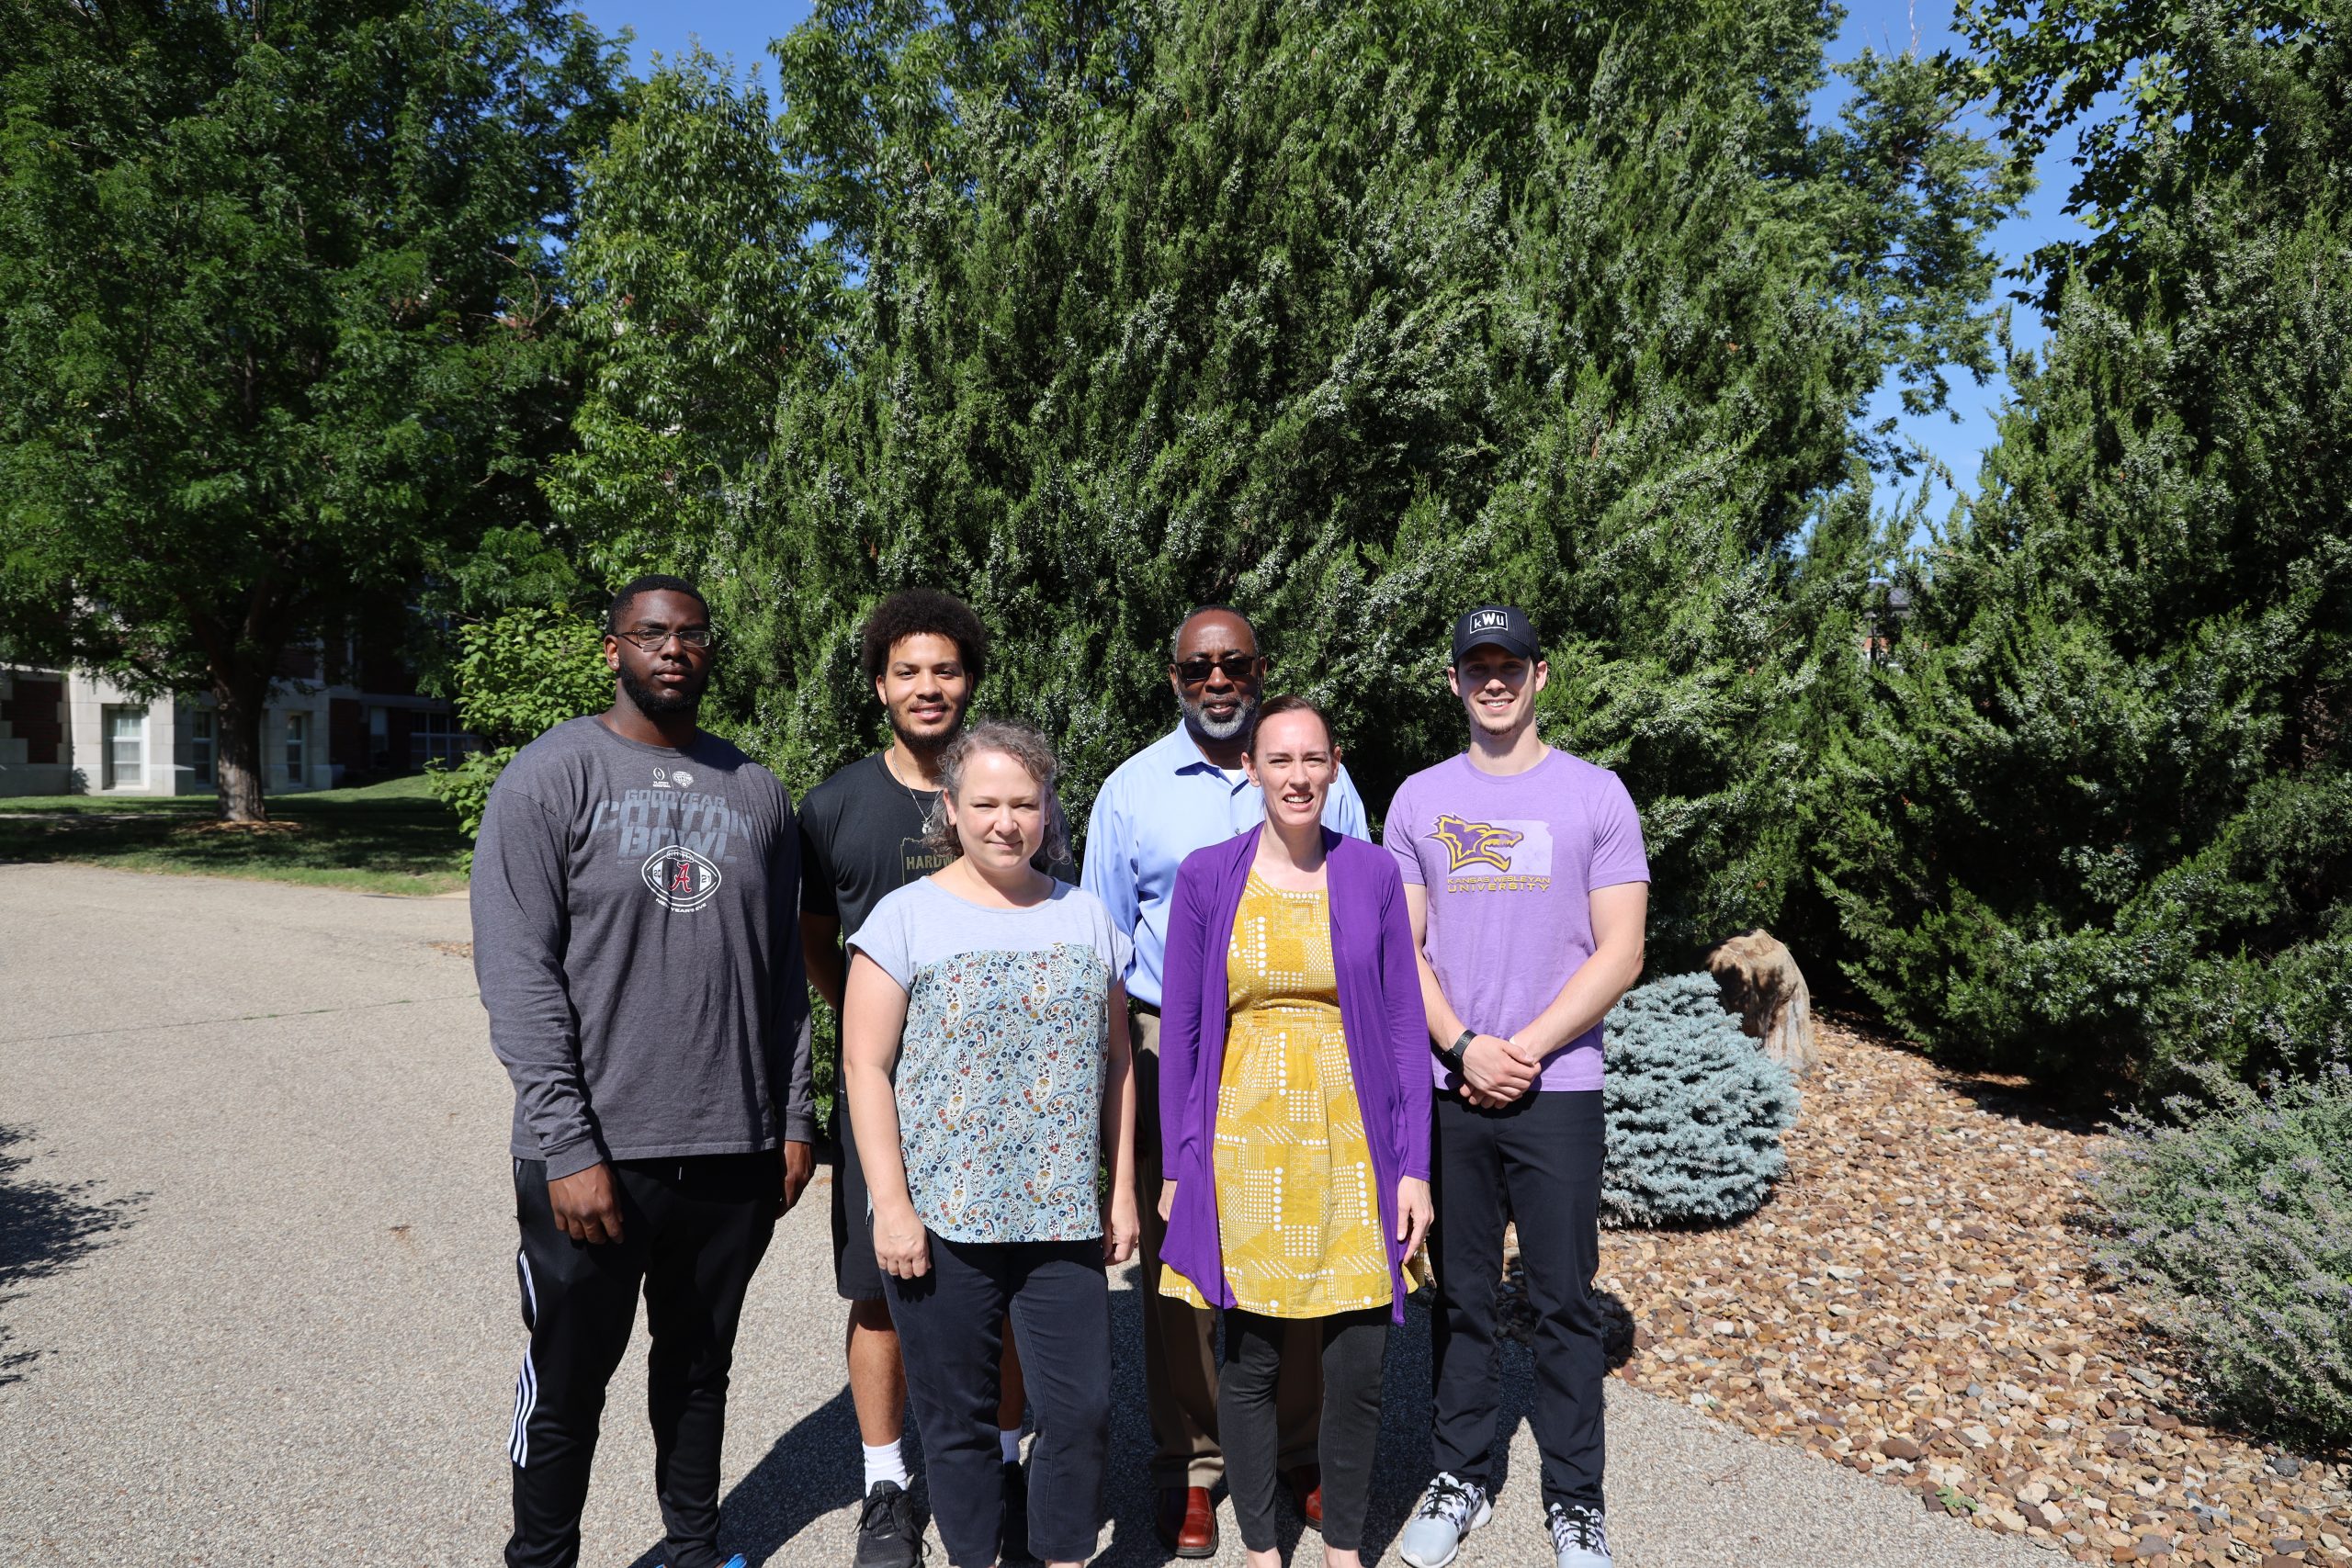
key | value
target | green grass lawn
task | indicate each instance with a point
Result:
(387, 838)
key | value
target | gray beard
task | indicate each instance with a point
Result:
(1243, 717)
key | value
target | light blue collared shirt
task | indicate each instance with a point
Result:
(1158, 807)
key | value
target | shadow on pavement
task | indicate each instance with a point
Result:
(813, 1469)
(45, 1228)
(807, 1473)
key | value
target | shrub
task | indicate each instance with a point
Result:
(519, 674)
(1695, 1110)
(2232, 1221)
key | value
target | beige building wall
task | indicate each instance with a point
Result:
(119, 744)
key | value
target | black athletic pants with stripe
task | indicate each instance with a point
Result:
(691, 1233)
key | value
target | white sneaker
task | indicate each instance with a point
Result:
(1450, 1509)
(1579, 1536)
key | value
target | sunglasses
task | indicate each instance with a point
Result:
(1237, 667)
(702, 637)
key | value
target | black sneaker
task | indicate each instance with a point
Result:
(889, 1536)
(1016, 1534)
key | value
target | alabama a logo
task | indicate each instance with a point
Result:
(681, 879)
(1475, 843)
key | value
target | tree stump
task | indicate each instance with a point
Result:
(1761, 982)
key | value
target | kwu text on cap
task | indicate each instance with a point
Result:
(1499, 625)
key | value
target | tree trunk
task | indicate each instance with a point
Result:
(237, 767)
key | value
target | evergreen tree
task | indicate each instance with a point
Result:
(2099, 814)
(1351, 314)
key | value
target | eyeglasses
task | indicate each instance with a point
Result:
(1237, 667)
(701, 638)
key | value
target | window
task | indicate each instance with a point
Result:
(435, 735)
(298, 731)
(200, 746)
(126, 758)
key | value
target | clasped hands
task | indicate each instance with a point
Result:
(1496, 1071)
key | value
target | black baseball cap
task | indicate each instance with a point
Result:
(1498, 624)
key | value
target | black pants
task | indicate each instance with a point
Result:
(951, 1330)
(1537, 1161)
(692, 1232)
(856, 1276)
(1353, 1344)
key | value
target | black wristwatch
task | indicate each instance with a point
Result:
(1451, 1054)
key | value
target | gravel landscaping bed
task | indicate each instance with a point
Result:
(1916, 1302)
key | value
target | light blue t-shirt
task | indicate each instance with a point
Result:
(1158, 807)
(1001, 1064)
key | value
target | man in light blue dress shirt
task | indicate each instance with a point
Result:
(1182, 792)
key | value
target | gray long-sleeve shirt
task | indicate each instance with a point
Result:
(637, 940)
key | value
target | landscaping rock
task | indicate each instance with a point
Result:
(1761, 982)
(1928, 1297)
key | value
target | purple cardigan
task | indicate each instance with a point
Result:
(1380, 1013)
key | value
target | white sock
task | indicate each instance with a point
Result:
(1009, 1441)
(885, 1463)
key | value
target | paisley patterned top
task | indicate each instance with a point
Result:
(1001, 1065)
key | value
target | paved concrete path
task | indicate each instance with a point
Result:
(257, 1305)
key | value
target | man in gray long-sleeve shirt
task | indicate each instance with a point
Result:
(636, 896)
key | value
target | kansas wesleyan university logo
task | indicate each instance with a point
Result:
(681, 879)
(1475, 843)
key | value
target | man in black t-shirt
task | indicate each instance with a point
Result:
(862, 837)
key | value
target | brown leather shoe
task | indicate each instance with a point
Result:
(1186, 1523)
(1306, 1483)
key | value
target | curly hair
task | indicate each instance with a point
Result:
(1025, 746)
(920, 612)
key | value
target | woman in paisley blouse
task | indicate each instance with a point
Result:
(986, 1089)
(1294, 1110)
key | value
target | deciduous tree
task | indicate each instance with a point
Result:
(278, 320)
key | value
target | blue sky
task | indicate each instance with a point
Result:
(742, 29)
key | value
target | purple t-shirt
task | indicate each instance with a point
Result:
(1510, 862)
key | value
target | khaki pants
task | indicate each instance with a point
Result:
(1179, 1339)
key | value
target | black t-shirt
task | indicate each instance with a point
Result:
(862, 838)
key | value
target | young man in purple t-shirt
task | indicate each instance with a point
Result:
(1528, 887)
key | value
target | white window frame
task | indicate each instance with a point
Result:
(297, 746)
(435, 733)
(110, 765)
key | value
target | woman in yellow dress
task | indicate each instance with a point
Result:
(1294, 1116)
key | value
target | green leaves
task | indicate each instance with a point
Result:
(281, 331)
(518, 674)
(2080, 821)
(524, 672)
(1347, 314)
(2232, 1218)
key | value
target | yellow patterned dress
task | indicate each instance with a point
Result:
(1297, 1213)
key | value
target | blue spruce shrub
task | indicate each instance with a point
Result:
(1695, 1110)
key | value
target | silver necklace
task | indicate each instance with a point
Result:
(921, 809)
